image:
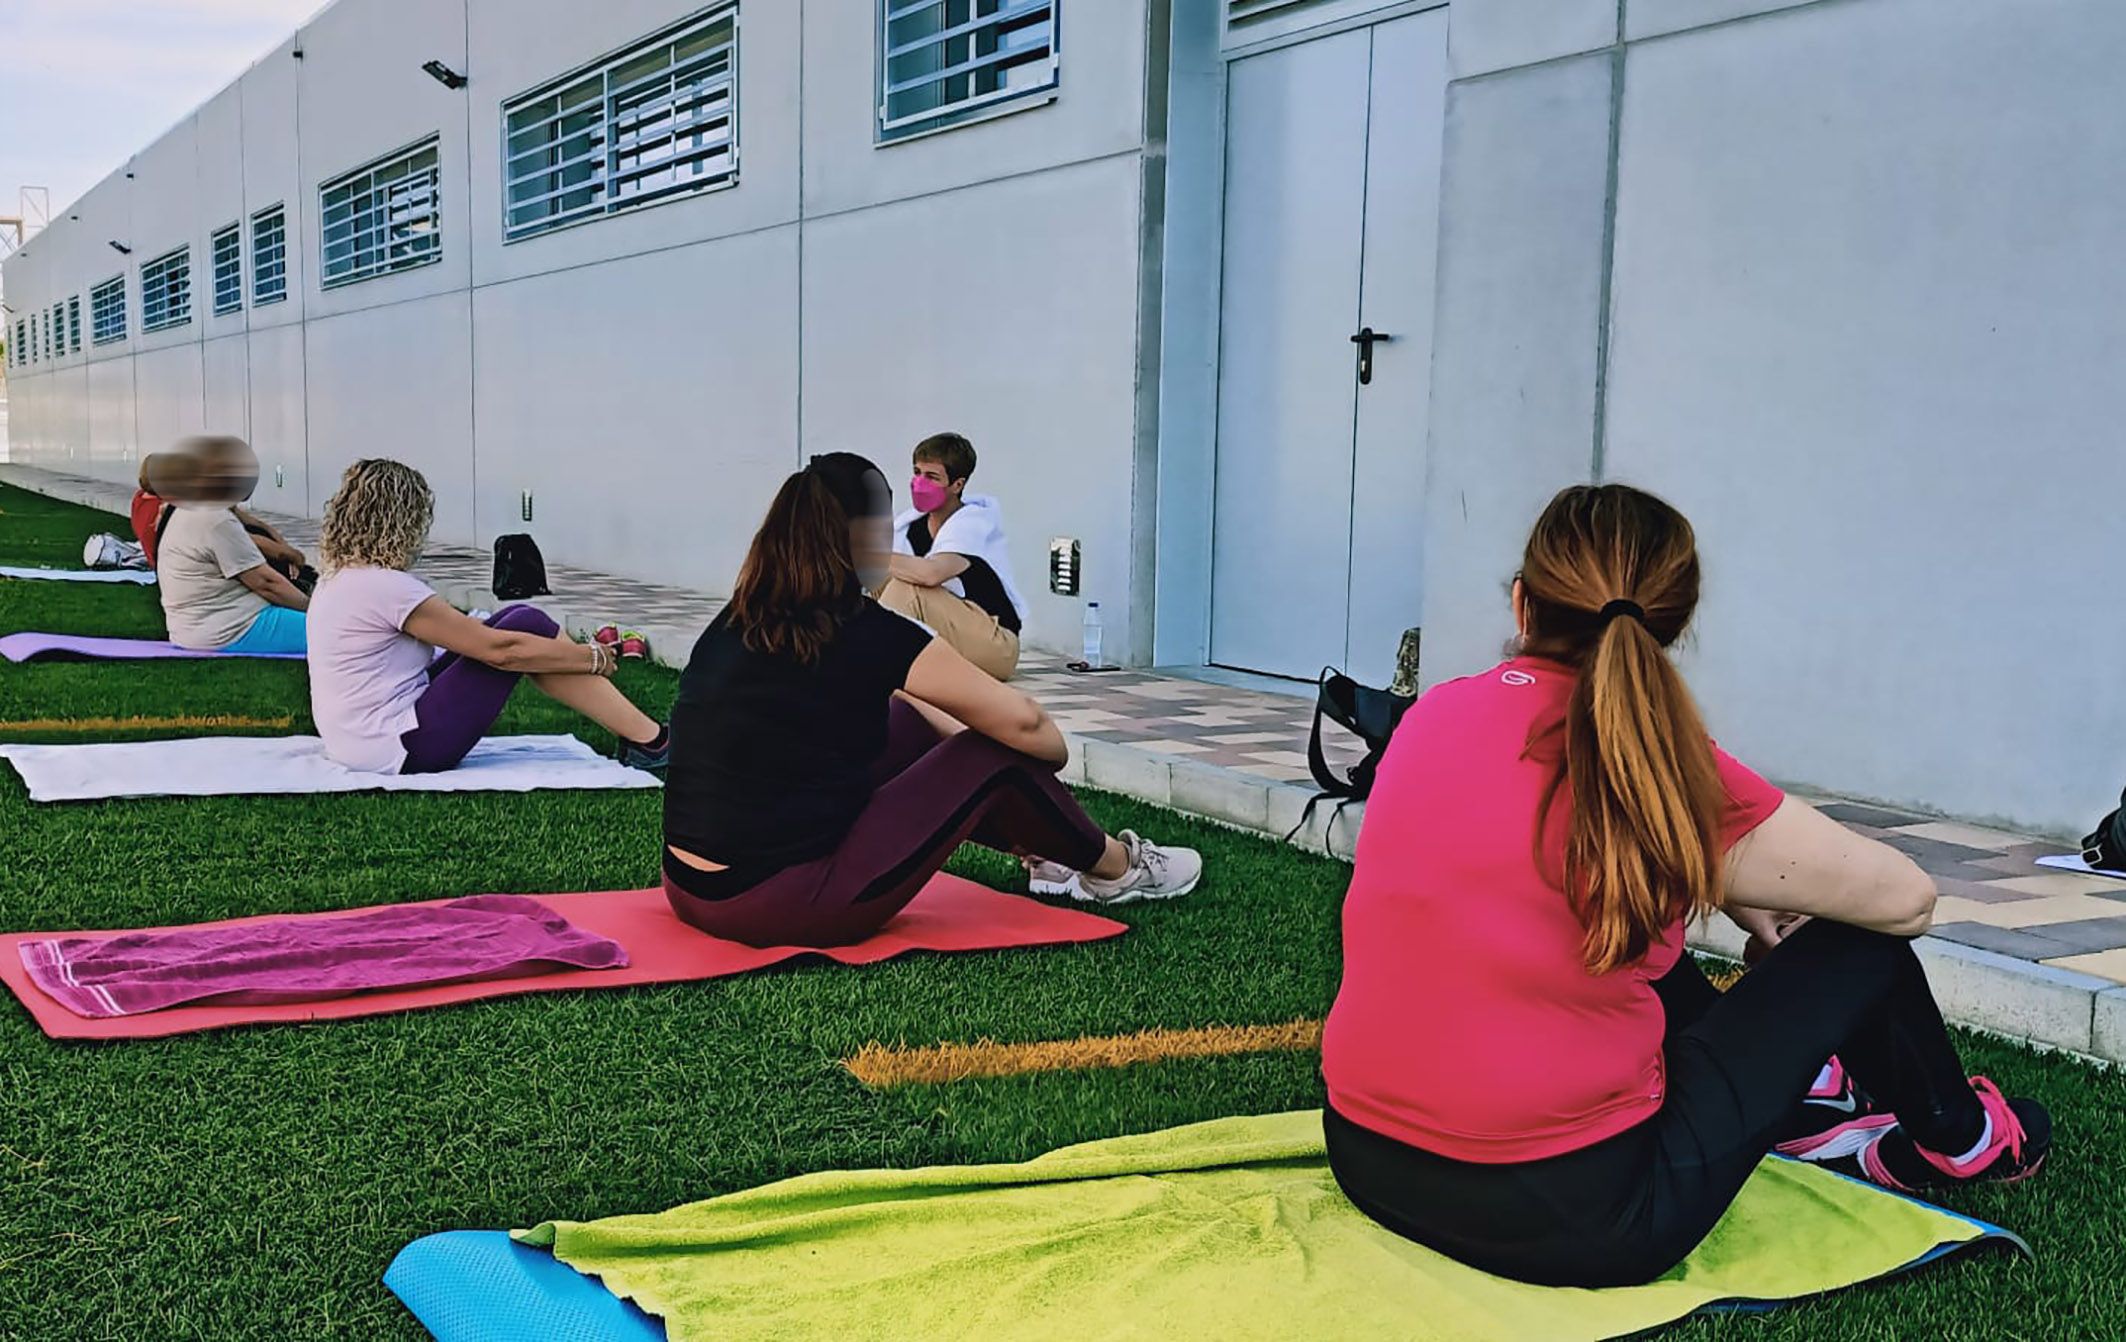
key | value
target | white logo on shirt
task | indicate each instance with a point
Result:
(1517, 678)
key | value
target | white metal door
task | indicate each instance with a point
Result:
(1403, 144)
(1331, 218)
(1295, 189)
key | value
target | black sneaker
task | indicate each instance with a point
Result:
(642, 757)
(2022, 1137)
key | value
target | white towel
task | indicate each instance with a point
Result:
(133, 575)
(225, 766)
(2073, 862)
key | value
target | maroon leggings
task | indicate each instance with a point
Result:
(932, 794)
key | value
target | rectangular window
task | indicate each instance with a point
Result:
(382, 217)
(652, 123)
(227, 250)
(107, 311)
(73, 324)
(269, 256)
(166, 290)
(21, 347)
(58, 329)
(942, 62)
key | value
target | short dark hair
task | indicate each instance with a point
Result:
(950, 450)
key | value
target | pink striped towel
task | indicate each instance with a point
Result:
(311, 959)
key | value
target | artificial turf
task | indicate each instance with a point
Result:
(254, 1183)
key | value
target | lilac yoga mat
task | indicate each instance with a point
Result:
(312, 959)
(32, 646)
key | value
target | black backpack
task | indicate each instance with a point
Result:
(1369, 714)
(2105, 848)
(520, 571)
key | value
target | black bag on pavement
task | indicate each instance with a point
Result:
(1367, 713)
(520, 570)
(2105, 847)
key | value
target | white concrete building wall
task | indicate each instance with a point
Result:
(654, 351)
(1868, 327)
(1837, 275)
(276, 378)
(1861, 320)
(648, 378)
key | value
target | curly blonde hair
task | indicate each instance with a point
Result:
(378, 519)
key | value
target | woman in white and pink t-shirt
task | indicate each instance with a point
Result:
(383, 698)
(1525, 1070)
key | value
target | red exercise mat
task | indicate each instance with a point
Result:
(950, 914)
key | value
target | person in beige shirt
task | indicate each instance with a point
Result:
(219, 593)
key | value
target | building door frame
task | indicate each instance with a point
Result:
(1191, 302)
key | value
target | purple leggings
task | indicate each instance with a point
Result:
(932, 794)
(464, 697)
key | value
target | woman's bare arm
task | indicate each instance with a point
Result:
(949, 683)
(440, 624)
(1802, 861)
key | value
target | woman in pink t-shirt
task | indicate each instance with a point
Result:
(1525, 1070)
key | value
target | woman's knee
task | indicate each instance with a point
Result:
(1856, 951)
(525, 620)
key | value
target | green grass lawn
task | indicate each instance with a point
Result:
(254, 1183)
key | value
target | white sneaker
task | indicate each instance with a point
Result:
(1154, 873)
(1050, 878)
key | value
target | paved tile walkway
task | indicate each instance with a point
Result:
(1240, 756)
(1263, 735)
(1994, 895)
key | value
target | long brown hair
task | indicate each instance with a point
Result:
(799, 581)
(1610, 579)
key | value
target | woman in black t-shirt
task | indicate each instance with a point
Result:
(829, 755)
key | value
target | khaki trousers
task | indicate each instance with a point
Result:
(971, 630)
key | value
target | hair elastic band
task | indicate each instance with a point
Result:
(1621, 606)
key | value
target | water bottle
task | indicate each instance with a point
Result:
(1092, 636)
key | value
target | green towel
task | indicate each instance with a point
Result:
(1227, 1229)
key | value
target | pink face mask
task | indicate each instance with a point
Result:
(929, 495)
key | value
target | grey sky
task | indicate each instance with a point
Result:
(85, 83)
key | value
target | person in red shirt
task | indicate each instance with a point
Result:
(146, 510)
(1525, 1070)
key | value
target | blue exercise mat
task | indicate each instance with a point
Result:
(482, 1286)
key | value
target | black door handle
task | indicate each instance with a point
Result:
(1366, 339)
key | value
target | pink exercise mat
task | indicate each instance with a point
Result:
(950, 915)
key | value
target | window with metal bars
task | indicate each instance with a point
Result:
(58, 329)
(942, 62)
(649, 124)
(269, 256)
(1240, 13)
(166, 290)
(381, 218)
(107, 311)
(73, 324)
(227, 248)
(21, 345)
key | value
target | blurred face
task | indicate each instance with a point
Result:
(229, 474)
(205, 472)
(871, 536)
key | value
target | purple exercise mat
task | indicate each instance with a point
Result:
(33, 646)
